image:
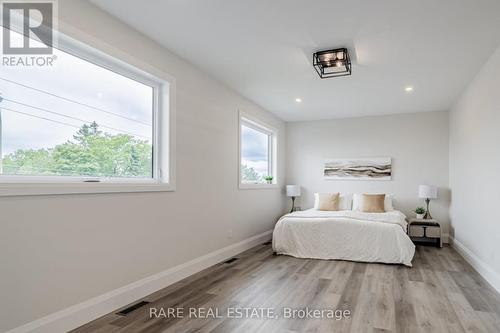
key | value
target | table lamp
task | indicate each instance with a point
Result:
(427, 192)
(293, 191)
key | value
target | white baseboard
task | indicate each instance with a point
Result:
(79, 314)
(480, 266)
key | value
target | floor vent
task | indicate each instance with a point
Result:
(131, 308)
(267, 243)
(230, 260)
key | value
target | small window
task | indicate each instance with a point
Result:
(86, 118)
(257, 154)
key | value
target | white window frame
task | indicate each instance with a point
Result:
(163, 179)
(256, 124)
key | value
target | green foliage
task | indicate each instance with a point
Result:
(93, 153)
(28, 161)
(249, 174)
(420, 210)
(269, 179)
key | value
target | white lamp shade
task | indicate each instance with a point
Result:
(293, 190)
(427, 191)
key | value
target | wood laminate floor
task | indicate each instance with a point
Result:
(441, 293)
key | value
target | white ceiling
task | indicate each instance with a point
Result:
(263, 49)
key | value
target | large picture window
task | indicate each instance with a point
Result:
(257, 153)
(87, 118)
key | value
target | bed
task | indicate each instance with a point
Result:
(346, 235)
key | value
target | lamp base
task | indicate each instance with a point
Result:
(427, 215)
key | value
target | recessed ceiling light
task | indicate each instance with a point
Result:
(409, 89)
(298, 100)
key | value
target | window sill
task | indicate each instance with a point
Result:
(20, 189)
(259, 186)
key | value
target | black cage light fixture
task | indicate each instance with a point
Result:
(332, 63)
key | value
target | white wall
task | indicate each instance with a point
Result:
(474, 171)
(56, 251)
(417, 143)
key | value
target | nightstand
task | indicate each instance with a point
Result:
(425, 231)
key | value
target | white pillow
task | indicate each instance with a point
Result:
(358, 198)
(345, 201)
(388, 203)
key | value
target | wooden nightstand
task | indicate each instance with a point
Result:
(425, 231)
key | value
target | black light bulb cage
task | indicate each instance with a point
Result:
(320, 66)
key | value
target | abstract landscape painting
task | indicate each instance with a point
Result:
(379, 168)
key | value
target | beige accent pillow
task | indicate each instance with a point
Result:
(328, 201)
(373, 203)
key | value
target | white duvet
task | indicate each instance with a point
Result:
(346, 235)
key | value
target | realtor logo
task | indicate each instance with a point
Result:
(34, 21)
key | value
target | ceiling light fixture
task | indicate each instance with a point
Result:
(409, 89)
(332, 63)
(298, 100)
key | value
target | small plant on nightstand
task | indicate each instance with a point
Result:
(269, 179)
(420, 211)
